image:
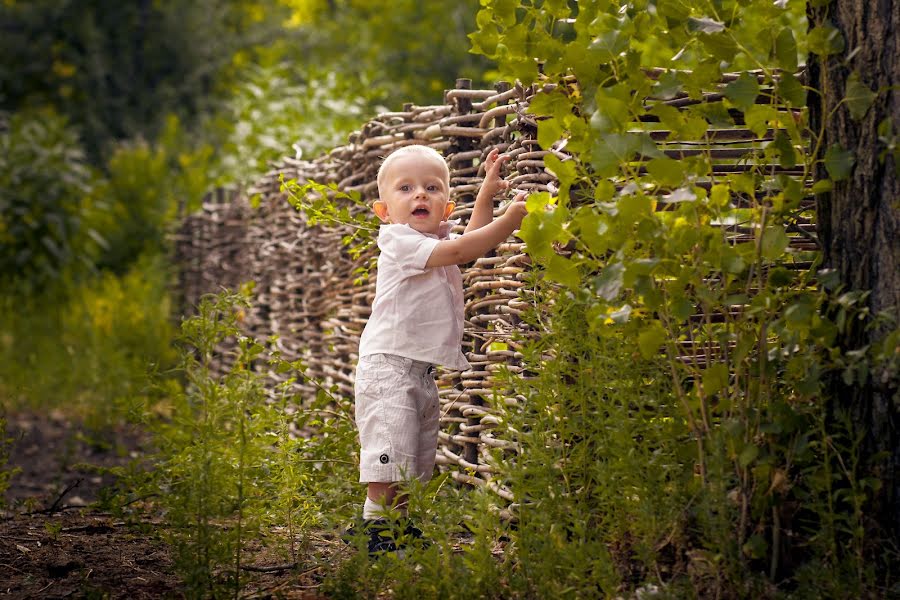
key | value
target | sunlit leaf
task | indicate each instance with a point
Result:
(825, 40)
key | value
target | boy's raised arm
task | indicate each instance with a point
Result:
(483, 211)
(474, 244)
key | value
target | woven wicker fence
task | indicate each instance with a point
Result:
(305, 291)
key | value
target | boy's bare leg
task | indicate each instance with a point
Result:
(385, 494)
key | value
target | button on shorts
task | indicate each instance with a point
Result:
(398, 415)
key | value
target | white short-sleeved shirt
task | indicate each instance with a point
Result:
(418, 311)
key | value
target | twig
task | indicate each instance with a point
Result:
(270, 568)
(53, 507)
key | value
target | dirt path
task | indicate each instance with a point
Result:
(52, 543)
(55, 542)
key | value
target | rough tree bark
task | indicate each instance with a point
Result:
(859, 220)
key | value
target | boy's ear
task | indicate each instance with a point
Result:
(381, 209)
(451, 205)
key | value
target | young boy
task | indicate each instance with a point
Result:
(416, 323)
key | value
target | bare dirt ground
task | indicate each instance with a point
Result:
(53, 543)
(56, 543)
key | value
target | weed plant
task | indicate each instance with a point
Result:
(231, 466)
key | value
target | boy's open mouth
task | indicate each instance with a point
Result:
(420, 212)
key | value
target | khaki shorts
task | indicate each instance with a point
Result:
(398, 415)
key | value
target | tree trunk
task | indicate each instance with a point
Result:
(859, 220)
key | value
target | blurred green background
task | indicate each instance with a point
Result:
(116, 116)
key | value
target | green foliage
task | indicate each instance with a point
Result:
(5, 473)
(91, 348)
(404, 50)
(276, 108)
(117, 69)
(325, 205)
(599, 470)
(43, 178)
(230, 464)
(738, 323)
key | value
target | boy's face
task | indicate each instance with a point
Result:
(414, 192)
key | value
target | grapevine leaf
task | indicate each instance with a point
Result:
(715, 378)
(786, 50)
(839, 162)
(825, 40)
(791, 90)
(667, 86)
(705, 25)
(562, 270)
(774, 241)
(743, 91)
(650, 339)
(858, 97)
(608, 284)
(564, 171)
(549, 132)
(666, 171)
(785, 149)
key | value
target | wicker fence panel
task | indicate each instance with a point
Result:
(305, 291)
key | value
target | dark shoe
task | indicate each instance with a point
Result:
(379, 532)
(413, 536)
(386, 536)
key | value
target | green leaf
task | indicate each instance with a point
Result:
(774, 241)
(743, 91)
(540, 229)
(859, 97)
(705, 25)
(719, 195)
(538, 202)
(604, 191)
(715, 113)
(785, 149)
(651, 338)
(681, 308)
(758, 116)
(591, 229)
(552, 104)
(715, 378)
(608, 284)
(786, 50)
(608, 45)
(564, 171)
(790, 90)
(666, 171)
(839, 162)
(668, 85)
(611, 150)
(799, 313)
(822, 186)
(825, 40)
(748, 455)
(550, 131)
(563, 270)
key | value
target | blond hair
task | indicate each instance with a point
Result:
(413, 150)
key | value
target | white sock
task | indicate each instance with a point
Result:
(373, 510)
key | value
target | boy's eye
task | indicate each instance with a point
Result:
(405, 187)
(432, 188)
